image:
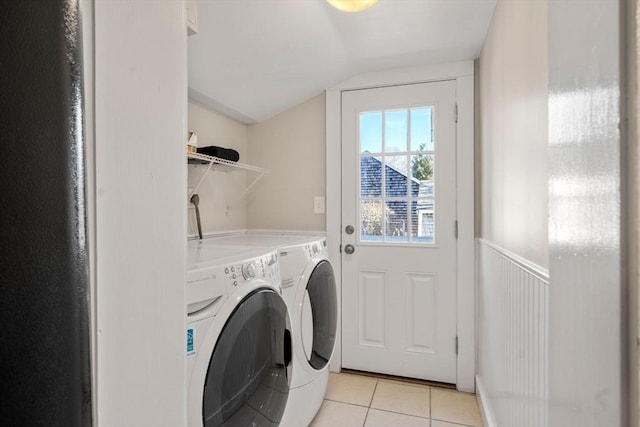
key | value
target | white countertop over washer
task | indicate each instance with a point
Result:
(201, 253)
(263, 240)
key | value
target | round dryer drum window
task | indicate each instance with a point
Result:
(321, 297)
(247, 381)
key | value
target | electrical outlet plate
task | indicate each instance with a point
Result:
(318, 205)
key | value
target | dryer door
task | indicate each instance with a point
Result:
(247, 382)
(320, 300)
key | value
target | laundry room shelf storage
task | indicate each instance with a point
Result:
(223, 165)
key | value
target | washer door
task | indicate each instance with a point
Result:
(247, 383)
(320, 297)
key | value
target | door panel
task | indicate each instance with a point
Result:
(421, 319)
(398, 192)
(371, 309)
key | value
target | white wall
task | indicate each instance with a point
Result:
(513, 163)
(140, 128)
(513, 130)
(587, 291)
(221, 208)
(292, 146)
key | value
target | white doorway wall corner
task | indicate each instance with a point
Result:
(138, 223)
(463, 74)
(633, 203)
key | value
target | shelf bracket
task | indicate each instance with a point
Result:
(195, 189)
(225, 166)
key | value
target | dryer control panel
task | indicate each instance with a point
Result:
(264, 268)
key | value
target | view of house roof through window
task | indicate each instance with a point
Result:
(397, 190)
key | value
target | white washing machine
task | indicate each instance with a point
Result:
(238, 337)
(309, 289)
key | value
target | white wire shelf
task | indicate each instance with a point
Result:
(223, 165)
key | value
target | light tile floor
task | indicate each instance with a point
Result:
(363, 401)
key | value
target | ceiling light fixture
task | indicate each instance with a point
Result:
(352, 5)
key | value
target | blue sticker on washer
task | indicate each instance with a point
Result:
(190, 339)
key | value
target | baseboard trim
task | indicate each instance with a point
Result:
(488, 420)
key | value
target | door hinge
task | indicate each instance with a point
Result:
(456, 113)
(455, 228)
(456, 345)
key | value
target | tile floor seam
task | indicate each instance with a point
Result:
(375, 387)
(364, 423)
(384, 380)
(346, 403)
(401, 413)
(450, 422)
(430, 407)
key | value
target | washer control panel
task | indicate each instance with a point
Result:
(263, 268)
(315, 248)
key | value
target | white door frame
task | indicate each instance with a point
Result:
(462, 72)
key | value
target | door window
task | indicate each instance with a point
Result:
(246, 383)
(397, 165)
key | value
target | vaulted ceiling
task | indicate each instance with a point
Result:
(252, 59)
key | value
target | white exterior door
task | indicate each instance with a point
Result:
(398, 230)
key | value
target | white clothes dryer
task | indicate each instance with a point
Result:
(309, 290)
(238, 338)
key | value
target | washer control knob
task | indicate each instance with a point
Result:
(315, 249)
(272, 260)
(249, 271)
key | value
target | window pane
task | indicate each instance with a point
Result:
(423, 221)
(371, 220)
(397, 147)
(396, 176)
(422, 168)
(371, 132)
(395, 131)
(370, 176)
(396, 221)
(421, 129)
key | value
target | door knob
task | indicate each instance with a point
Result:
(349, 249)
(349, 229)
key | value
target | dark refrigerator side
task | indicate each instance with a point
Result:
(45, 376)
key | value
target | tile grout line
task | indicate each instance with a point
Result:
(370, 401)
(403, 413)
(451, 422)
(374, 392)
(345, 403)
(430, 406)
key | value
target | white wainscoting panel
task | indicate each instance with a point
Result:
(513, 337)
